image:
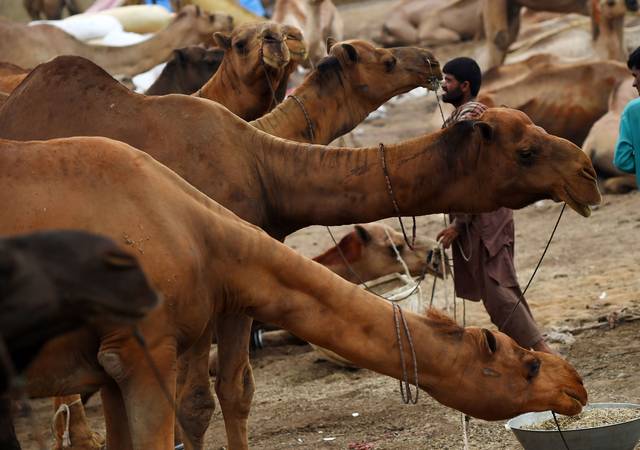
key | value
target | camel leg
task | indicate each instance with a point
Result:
(80, 435)
(148, 401)
(234, 381)
(115, 417)
(620, 185)
(498, 31)
(196, 403)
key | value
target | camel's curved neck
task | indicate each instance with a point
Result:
(609, 42)
(309, 300)
(138, 58)
(331, 109)
(312, 185)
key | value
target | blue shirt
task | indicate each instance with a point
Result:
(627, 154)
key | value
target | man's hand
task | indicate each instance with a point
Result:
(447, 236)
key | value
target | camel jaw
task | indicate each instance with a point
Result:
(275, 63)
(581, 208)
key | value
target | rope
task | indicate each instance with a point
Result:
(465, 424)
(398, 256)
(306, 116)
(555, 419)
(64, 408)
(405, 386)
(553, 232)
(274, 100)
(385, 171)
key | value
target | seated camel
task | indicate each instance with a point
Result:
(431, 22)
(601, 141)
(534, 86)
(319, 20)
(50, 9)
(200, 256)
(502, 21)
(54, 282)
(28, 46)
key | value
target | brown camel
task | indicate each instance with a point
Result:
(200, 256)
(370, 252)
(191, 67)
(254, 71)
(360, 78)
(226, 177)
(318, 20)
(502, 21)
(600, 144)
(563, 98)
(28, 46)
(11, 76)
(432, 22)
(50, 9)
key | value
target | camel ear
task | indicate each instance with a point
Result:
(351, 51)
(330, 43)
(490, 340)
(222, 40)
(485, 129)
(363, 234)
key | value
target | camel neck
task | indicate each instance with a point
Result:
(138, 58)
(327, 108)
(315, 185)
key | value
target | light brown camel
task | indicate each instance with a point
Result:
(318, 20)
(600, 144)
(370, 251)
(432, 22)
(355, 79)
(502, 20)
(355, 195)
(200, 256)
(563, 98)
(50, 9)
(254, 71)
(28, 46)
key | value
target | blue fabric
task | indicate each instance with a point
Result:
(255, 6)
(166, 4)
(627, 154)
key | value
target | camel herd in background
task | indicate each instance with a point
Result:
(201, 187)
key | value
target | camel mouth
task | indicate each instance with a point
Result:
(274, 62)
(580, 207)
(577, 400)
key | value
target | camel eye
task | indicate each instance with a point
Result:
(534, 369)
(390, 63)
(526, 156)
(240, 46)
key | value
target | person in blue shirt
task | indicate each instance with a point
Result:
(627, 153)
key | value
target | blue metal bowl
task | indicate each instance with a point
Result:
(620, 436)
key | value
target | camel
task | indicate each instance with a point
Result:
(187, 71)
(502, 20)
(200, 256)
(254, 71)
(370, 251)
(601, 141)
(431, 23)
(28, 46)
(54, 282)
(560, 97)
(51, 9)
(318, 20)
(360, 78)
(224, 175)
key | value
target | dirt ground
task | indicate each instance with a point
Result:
(590, 271)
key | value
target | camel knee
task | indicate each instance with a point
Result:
(195, 410)
(238, 393)
(113, 364)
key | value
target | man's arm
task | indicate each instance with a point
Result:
(624, 155)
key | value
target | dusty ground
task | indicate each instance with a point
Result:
(302, 401)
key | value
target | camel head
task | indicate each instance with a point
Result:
(296, 44)
(520, 162)
(252, 46)
(610, 9)
(203, 24)
(377, 74)
(369, 250)
(493, 378)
